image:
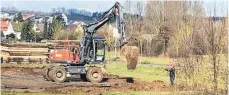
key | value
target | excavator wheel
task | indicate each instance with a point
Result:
(94, 74)
(45, 71)
(58, 74)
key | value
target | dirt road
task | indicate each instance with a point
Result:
(31, 80)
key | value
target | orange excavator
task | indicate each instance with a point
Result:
(70, 60)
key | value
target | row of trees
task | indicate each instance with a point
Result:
(165, 25)
(182, 30)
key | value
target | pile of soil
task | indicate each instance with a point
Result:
(119, 85)
(131, 54)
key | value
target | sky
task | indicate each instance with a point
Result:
(93, 5)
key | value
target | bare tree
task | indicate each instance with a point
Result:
(215, 39)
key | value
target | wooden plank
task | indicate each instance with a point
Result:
(27, 57)
(64, 41)
(3, 47)
(28, 50)
(41, 49)
(17, 48)
(24, 52)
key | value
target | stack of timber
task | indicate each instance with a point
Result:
(32, 52)
(24, 54)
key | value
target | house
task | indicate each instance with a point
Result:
(7, 29)
(38, 19)
(35, 27)
(48, 19)
(62, 15)
(7, 16)
(32, 18)
(12, 15)
(26, 16)
(4, 16)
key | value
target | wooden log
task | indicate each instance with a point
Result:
(27, 57)
(25, 50)
(64, 41)
(22, 45)
(29, 60)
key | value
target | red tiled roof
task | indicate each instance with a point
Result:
(4, 25)
(26, 16)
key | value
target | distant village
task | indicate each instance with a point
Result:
(9, 25)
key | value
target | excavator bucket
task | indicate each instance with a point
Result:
(131, 54)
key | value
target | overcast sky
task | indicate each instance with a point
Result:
(91, 5)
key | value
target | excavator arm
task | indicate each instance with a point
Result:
(115, 12)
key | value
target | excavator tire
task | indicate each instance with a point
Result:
(94, 74)
(58, 74)
(45, 71)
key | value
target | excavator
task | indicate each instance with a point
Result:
(84, 59)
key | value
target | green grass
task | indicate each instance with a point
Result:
(111, 55)
(145, 60)
(142, 72)
(154, 60)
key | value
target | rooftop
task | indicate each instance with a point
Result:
(4, 24)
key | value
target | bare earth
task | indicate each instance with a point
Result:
(31, 80)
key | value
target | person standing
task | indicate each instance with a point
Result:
(171, 71)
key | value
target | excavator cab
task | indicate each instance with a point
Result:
(98, 51)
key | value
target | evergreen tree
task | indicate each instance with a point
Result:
(27, 33)
(50, 32)
(19, 17)
(55, 28)
(61, 20)
(46, 30)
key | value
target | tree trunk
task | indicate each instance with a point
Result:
(215, 74)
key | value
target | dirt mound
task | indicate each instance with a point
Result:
(118, 85)
(131, 53)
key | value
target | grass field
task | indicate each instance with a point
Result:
(154, 60)
(143, 72)
(144, 60)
